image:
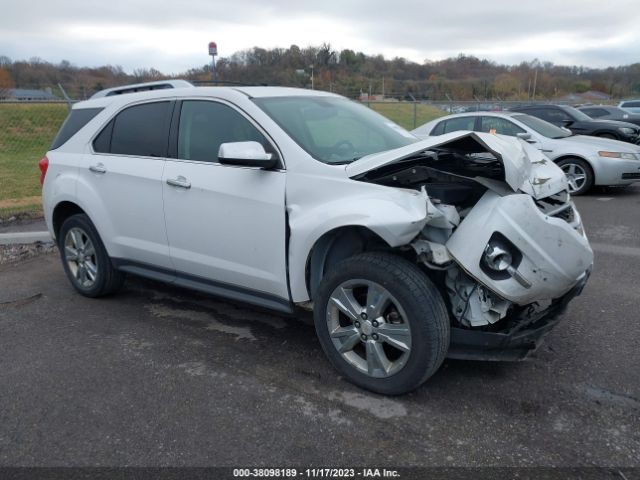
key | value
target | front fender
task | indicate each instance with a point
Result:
(396, 215)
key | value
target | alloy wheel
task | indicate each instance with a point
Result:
(369, 328)
(80, 255)
(576, 176)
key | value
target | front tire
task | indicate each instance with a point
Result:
(381, 322)
(85, 260)
(579, 175)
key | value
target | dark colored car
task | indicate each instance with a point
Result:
(607, 112)
(581, 124)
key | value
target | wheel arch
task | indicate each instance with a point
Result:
(336, 245)
(61, 212)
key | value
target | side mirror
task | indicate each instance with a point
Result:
(526, 137)
(567, 122)
(246, 154)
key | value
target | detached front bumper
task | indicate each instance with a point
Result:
(522, 335)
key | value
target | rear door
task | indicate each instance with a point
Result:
(226, 224)
(122, 178)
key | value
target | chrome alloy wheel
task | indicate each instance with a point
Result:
(369, 328)
(576, 176)
(80, 255)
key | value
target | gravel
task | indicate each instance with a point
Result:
(18, 252)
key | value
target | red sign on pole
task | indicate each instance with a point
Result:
(213, 48)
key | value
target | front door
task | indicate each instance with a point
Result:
(226, 225)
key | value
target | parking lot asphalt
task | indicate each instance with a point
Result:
(157, 376)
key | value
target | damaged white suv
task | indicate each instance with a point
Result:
(466, 245)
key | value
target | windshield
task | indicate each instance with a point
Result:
(545, 129)
(334, 130)
(577, 114)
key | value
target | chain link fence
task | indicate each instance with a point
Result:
(26, 132)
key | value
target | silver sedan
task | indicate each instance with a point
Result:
(586, 161)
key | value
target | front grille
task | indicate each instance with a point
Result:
(559, 206)
(630, 176)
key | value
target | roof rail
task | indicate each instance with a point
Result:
(142, 87)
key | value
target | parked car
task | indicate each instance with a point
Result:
(581, 124)
(586, 161)
(407, 251)
(607, 112)
(631, 106)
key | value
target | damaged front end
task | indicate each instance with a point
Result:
(502, 239)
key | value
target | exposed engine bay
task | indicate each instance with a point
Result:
(501, 251)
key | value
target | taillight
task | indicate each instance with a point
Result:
(44, 165)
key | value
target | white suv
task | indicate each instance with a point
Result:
(466, 245)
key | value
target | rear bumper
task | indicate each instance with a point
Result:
(515, 342)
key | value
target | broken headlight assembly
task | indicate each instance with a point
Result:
(501, 259)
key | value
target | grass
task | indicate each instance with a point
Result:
(26, 132)
(402, 113)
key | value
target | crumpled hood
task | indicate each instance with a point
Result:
(526, 168)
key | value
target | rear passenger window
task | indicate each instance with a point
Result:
(595, 112)
(141, 130)
(461, 123)
(499, 126)
(205, 125)
(77, 119)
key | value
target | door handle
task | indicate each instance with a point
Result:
(99, 168)
(179, 182)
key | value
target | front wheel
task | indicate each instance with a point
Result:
(381, 322)
(579, 175)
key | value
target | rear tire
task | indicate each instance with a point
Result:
(85, 260)
(381, 322)
(579, 175)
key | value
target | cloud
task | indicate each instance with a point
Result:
(173, 36)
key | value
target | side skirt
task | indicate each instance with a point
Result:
(211, 287)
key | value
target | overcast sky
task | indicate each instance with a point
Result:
(173, 36)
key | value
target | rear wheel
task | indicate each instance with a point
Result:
(579, 175)
(85, 260)
(381, 322)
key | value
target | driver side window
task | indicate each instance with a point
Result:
(205, 125)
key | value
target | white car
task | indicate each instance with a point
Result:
(407, 251)
(586, 160)
(631, 106)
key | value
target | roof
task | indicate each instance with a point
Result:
(191, 91)
(23, 93)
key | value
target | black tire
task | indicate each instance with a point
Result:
(107, 279)
(580, 164)
(421, 301)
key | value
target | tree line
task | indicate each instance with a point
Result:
(349, 73)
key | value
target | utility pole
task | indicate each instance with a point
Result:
(311, 67)
(535, 81)
(383, 87)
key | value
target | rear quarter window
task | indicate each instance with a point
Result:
(76, 120)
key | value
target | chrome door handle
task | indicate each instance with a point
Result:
(179, 182)
(99, 168)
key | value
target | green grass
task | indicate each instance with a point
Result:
(402, 113)
(26, 132)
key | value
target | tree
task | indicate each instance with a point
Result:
(6, 83)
